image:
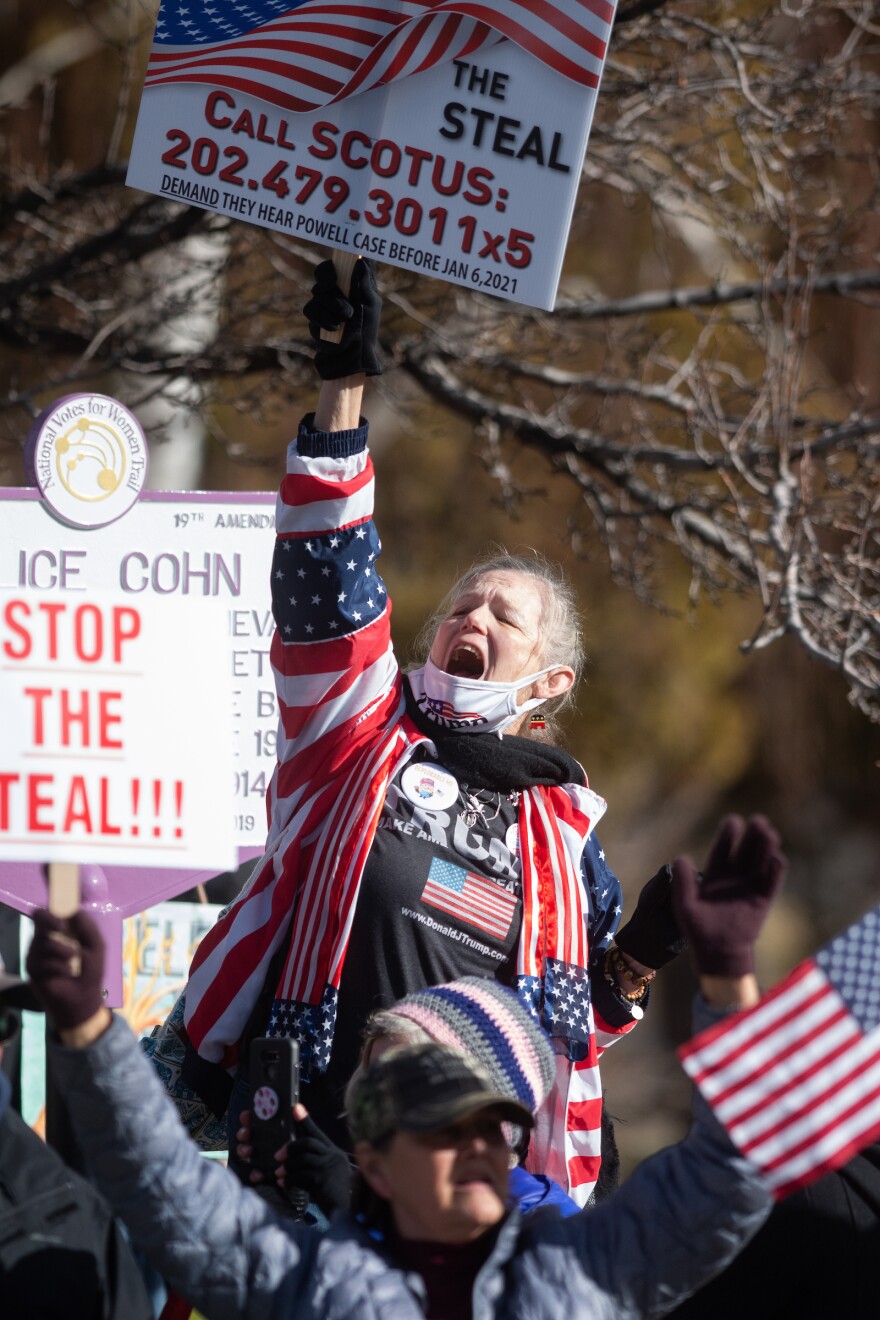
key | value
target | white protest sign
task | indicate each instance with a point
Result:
(467, 170)
(108, 752)
(209, 553)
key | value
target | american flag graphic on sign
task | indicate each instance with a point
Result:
(470, 898)
(302, 56)
(796, 1080)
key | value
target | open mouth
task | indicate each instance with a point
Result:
(473, 1176)
(465, 662)
(474, 1179)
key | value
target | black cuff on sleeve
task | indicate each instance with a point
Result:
(329, 444)
(615, 1010)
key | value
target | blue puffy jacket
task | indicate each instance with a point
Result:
(532, 1191)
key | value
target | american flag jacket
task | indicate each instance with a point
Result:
(342, 734)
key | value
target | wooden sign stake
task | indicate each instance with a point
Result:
(343, 264)
(64, 901)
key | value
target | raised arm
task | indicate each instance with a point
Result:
(686, 1212)
(723, 910)
(331, 650)
(339, 404)
(336, 678)
(216, 1243)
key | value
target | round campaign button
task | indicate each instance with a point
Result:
(511, 838)
(88, 456)
(428, 785)
(265, 1102)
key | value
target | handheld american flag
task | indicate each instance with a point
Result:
(302, 56)
(796, 1080)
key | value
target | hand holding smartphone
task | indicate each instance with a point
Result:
(274, 1073)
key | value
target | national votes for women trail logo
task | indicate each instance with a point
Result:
(88, 456)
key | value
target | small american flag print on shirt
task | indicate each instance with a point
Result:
(796, 1079)
(470, 898)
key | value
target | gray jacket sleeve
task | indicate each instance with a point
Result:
(677, 1221)
(216, 1242)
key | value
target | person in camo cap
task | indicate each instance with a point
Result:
(428, 1128)
(477, 1018)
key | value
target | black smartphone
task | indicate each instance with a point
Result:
(274, 1073)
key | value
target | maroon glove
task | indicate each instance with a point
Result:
(66, 966)
(722, 912)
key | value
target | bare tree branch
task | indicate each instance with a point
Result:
(844, 283)
(706, 388)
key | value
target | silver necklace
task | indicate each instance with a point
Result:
(477, 808)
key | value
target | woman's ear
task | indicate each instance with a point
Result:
(371, 1163)
(555, 683)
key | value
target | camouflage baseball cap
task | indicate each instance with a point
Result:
(423, 1088)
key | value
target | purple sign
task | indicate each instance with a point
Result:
(109, 893)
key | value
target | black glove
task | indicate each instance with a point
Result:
(66, 966)
(723, 911)
(358, 314)
(318, 1167)
(652, 935)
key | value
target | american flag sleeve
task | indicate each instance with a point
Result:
(337, 684)
(335, 675)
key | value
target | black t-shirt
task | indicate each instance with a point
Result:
(440, 898)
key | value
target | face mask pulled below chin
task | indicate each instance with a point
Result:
(471, 705)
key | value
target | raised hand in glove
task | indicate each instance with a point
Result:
(66, 966)
(358, 314)
(652, 935)
(722, 911)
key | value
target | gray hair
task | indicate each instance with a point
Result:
(384, 1022)
(563, 638)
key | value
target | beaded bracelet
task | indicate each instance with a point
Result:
(615, 984)
(616, 961)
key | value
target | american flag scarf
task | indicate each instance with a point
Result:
(554, 825)
(552, 976)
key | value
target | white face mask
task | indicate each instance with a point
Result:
(471, 705)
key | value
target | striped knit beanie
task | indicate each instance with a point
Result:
(487, 1021)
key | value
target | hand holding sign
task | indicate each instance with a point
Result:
(355, 350)
(67, 983)
(343, 264)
